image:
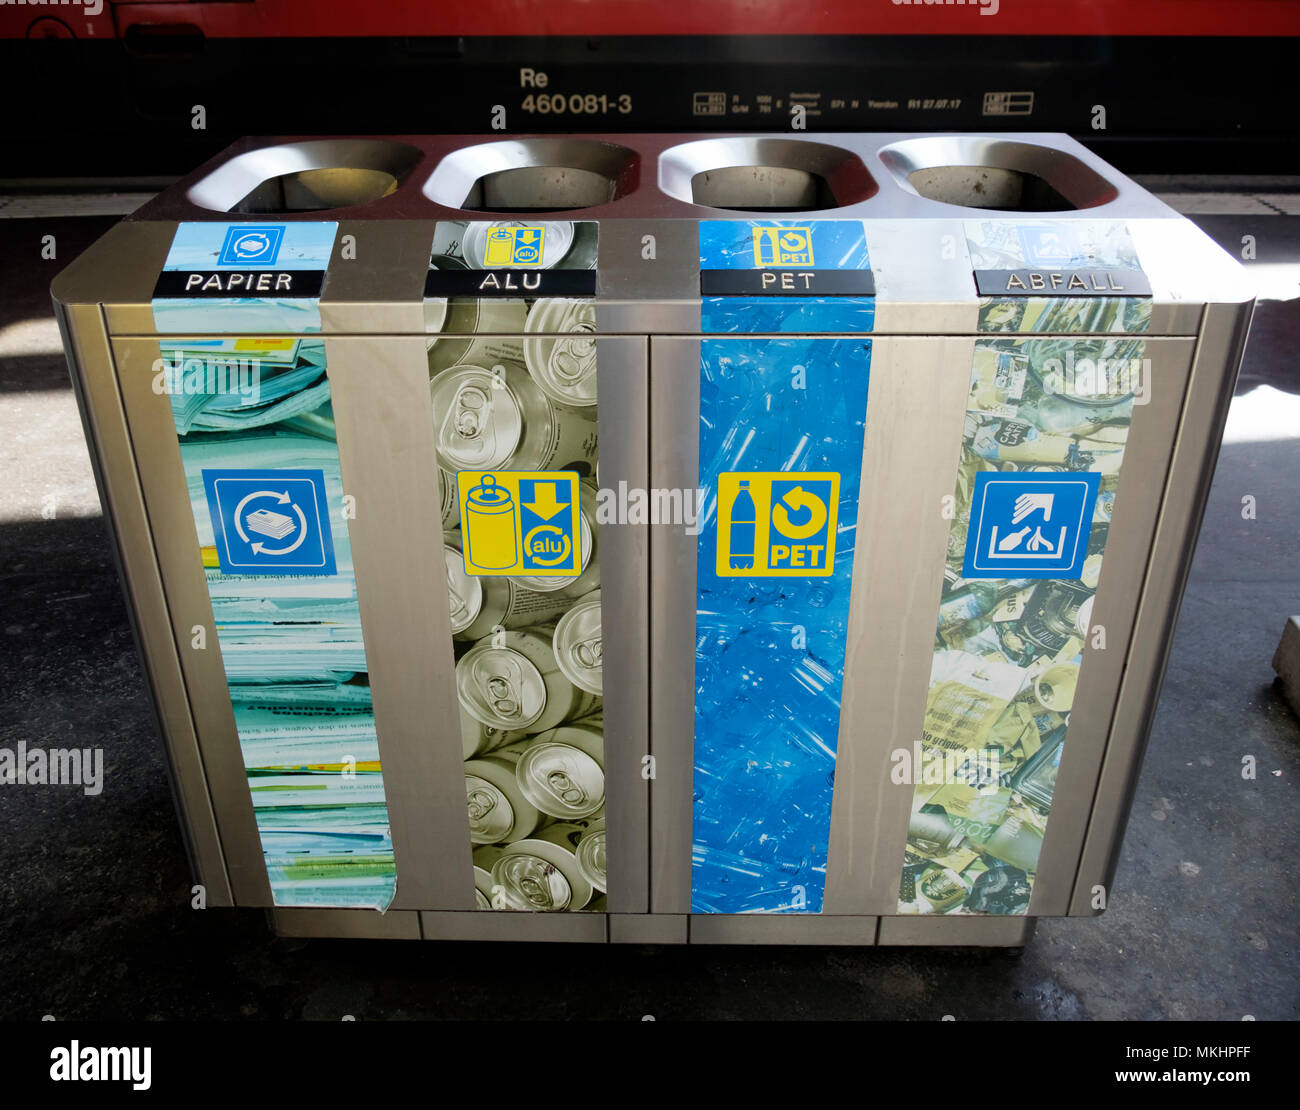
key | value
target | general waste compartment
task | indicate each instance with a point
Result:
(850, 482)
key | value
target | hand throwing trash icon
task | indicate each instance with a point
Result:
(1030, 525)
(1027, 503)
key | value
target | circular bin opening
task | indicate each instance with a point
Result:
(312, 176)
(534, 175)
(996, 174)
(764, 175)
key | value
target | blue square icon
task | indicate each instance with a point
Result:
(1052, 244)
(249, 245)
(547, 522)
(270, 521)
(1030, 525)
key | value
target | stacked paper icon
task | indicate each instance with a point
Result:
(266, 523)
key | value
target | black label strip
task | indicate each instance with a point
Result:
(787, 283)
(239, 283)
(510, 283)
(1062, 283)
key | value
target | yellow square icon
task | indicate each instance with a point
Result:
(520, 522)
(514, 245)
(777, 524)
(783, 246)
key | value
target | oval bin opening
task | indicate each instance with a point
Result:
(988, 187)
(313, 176)
(534, 175)
(1002, 175)
(317, 190)
(758, 174)
(762, 189)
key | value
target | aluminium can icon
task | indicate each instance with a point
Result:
(490, 535)
(557, 239)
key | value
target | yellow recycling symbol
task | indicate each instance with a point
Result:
(776, 524)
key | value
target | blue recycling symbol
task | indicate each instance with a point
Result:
(270, 521)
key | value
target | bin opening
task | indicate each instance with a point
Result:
(762, 189)
(1003, 175)
(313, 176)
(989, 187)
(540, 189)
(317, 190)
(759, 174)
(534, 175)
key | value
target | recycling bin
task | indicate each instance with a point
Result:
(712, 539)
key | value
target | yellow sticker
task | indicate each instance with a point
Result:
(783, 246)
(777, 524)
(265, 344)
(520, 522)
(514, 246)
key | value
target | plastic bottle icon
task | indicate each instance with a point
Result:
(744, 520)
(490, 538)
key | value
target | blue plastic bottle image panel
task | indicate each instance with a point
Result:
(781, 434)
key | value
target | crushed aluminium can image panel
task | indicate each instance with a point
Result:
(512, 368)
(257, 442)
(1046, 426)
(782, 421)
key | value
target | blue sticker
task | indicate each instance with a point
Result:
(755, 244)
(261, 278)
(270, 521)
(1030, 525)
(244, 246)
(801, 276)
(1051, 244)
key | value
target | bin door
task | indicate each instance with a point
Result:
(865, 696)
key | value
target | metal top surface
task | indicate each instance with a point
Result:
(685, 176)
